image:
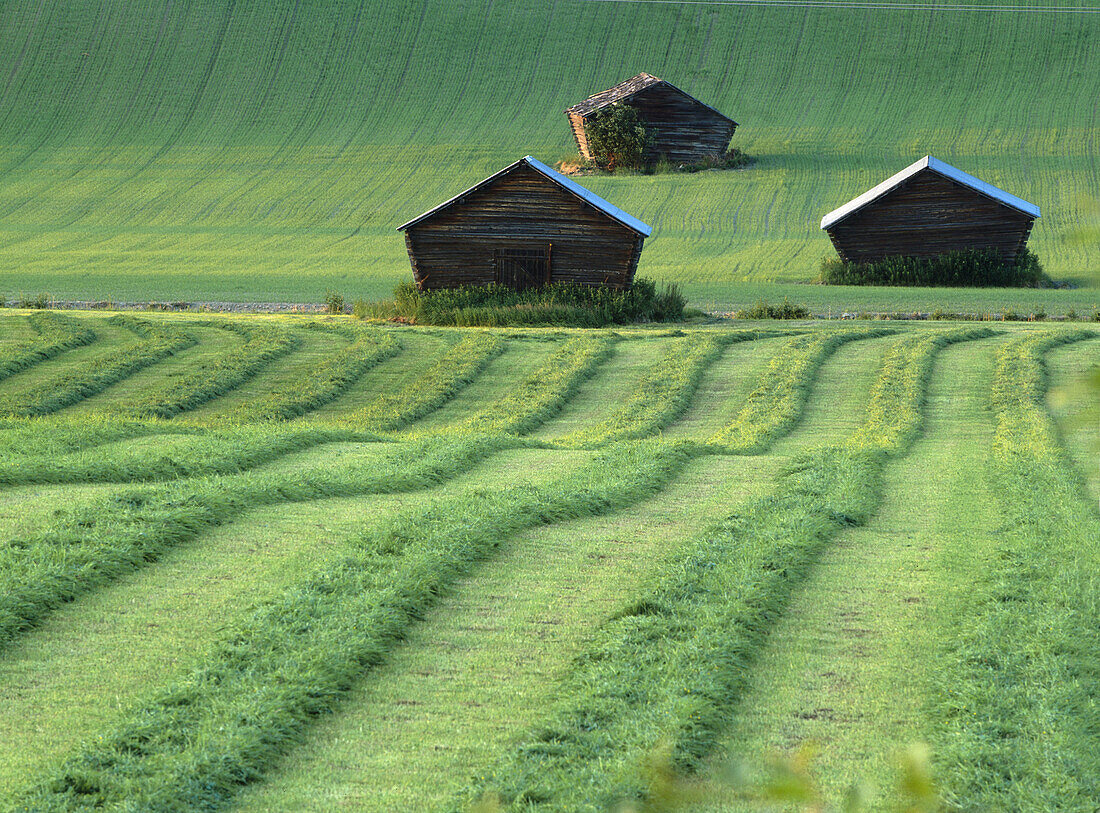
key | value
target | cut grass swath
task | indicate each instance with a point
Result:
(220, 727)
(326, 381)
(670, 666)
(542, 394)
(157, 341)
(1016, 697)
(263, 343)
(455, 369)
(776, 404)
(186, 454)
(56, 333)
(663, 393)
(90, 546)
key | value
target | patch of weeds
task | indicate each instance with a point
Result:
(766, 310)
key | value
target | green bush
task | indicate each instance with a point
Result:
(559, 303)
(971, 268)
(616, 138)
(36, 302)
(765, 310)
(334, 302)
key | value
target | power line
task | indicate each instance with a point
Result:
(883, 5)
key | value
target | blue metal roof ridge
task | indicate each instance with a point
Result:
(938, 166)
(568, 184)
(591, 197)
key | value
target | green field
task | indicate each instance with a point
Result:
(583, 563)
(212, 151)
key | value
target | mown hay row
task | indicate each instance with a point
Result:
(91, 545)
(56, 333)
(543, 393)
(455, 369)
(662, 393)
(776, 404)
(200, 740)
(324, 382)
(157, 342)
(671, 665)
(1016, 697)
(263, 343)
(186, 454)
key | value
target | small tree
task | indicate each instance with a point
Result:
(616, 138)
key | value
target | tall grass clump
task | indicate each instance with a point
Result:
(783, 310)
(455, 369)
(971, 268)
(1017, 695)
(673, 663)
(89, 546)
(157, 342)
(198, 742)
(662, 393)
(776, 404)
(56, 333)
(559, 303)
(263, 343)
(542, 394)
(326, 380)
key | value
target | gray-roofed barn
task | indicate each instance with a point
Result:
(680, 127)
(524, 226)
(928, 209)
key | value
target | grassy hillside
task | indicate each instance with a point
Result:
(220, 151)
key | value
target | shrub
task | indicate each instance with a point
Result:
(559, 303)
(971, 268)
(37, 302)
(616, 138)
(765, 310)
(334, 303)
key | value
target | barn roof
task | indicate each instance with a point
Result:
(624, 90)
(939, 167)
(568, 184)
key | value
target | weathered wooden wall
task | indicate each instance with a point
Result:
(521, 209)
(680, 129)
(929, 215)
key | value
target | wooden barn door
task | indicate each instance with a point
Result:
(521, 268)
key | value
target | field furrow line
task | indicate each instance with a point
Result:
(56, 333)
(92, 545)
(662, 393)
(156, 343)
(1074, 372)
(108, 652)
(1017, 696)
(219, 727)
(711, 611)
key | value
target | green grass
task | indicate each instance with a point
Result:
(160, 151)
(489, 657)
(55, 334)
(101, 655)
(195, 744)
(321, 613)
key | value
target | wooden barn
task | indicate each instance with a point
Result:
(680, 127)
(525, 226)
(927, 209)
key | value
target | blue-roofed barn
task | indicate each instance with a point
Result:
(928, 209)
(524, 226)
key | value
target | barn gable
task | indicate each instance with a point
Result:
(524, 226)
(681, 127)
(927, 209)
